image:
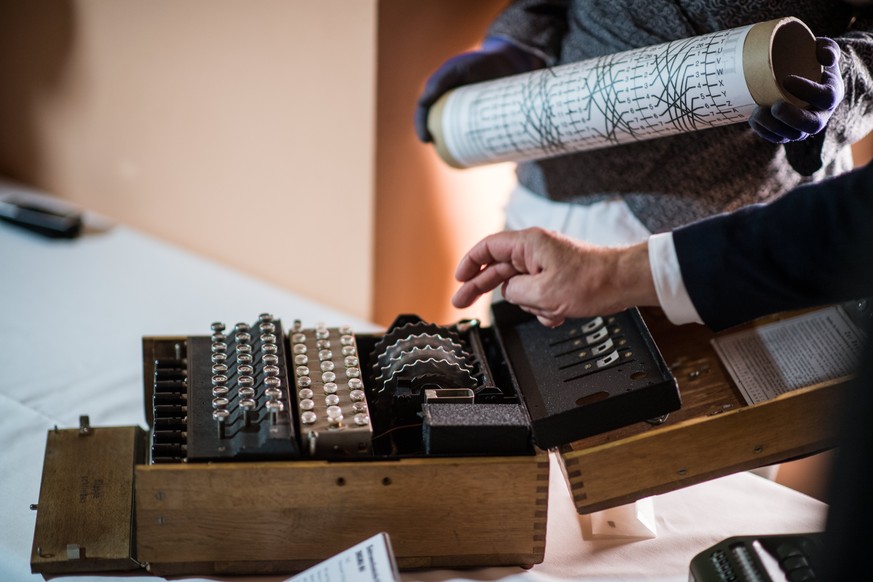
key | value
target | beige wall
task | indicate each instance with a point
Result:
(242, 130)
(427, 214)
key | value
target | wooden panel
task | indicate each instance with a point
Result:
(272, 517)
(84, 516)
(715, 433)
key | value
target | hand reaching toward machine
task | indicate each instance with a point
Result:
(555, 277)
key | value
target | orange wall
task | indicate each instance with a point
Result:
(427, 214)
(199, 120)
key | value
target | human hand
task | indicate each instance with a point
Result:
(784, 122)
(555, 277)
(497, 58)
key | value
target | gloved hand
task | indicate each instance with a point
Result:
(497, 58)
(785, 122)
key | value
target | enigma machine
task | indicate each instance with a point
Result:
(274, 444)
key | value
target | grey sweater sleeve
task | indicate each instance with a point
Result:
(537, 26)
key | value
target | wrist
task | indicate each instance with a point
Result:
(634, 284)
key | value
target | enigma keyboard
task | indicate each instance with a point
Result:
(259, 391)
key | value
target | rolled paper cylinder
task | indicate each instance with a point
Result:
(671, 88)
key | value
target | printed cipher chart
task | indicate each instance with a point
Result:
(676, 87)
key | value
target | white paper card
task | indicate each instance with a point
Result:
(772, 359)
(369, 561)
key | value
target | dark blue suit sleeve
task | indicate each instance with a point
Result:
(814, 246)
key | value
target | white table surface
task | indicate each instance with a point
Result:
(72, 318)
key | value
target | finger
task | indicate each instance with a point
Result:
(827, 51)
(550, 321)
(772, 130)
(823, 96)
(486, 281)
(494, 248)
(420, 123)
(546, 317)
(808, 122)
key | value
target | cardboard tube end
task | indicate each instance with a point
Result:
(435, 126)
(774, 50)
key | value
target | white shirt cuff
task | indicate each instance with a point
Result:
(672, 294)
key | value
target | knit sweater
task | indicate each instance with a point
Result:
(675, 180)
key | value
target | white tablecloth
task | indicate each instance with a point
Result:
(72, 318)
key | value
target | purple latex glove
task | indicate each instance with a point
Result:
(784, 122)
(497, 58)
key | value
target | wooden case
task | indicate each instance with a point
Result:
(230, 518)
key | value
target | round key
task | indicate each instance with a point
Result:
(246, 381)
(218, 326)
(247, 392)
(219, 337)
(244, 348)
(355, 384)
(347, 340)
(331, 400)
(245, 370)
(350, 362)
(345, 330)
(322, 333)
(242, 337)
(220, 414)
(298, 338)
(359, 407)
(219, 379)
(328, 377)
(353, 372)
(274, 371)
(327, 366)
(247, 404)
(334, 412)
(273, 359)
(304, 393)
(301, 371)
(273, 393)
(322, 344)
(268, 338)
(308, 417)
(304, 381)
(361, 419)
(219, 368)
(274, 407)
(265, 317)
(357, 395)
(307, 404)
(219, 347)
(299, 348)
(267, 327)
(241, 326)
(270, 348)
(245, 359)
(220, 402)
(219, 357)
(220, 391)
(330, 388)
(325, 355)
(272, 382)
(349, 350)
